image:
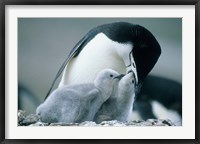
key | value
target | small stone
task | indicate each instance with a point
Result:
(168, 122)
(21, 116)
(88, 123)
(152, 120)
(145, 123)
(112, 123)
(30, 119)
(138, 121)
(39, 124)
(63, 124)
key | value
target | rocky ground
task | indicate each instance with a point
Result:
(33, 120)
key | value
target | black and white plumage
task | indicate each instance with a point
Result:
(78, 103)
(120, 46)
(165, 91)
(120, 103)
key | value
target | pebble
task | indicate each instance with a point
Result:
(30, 119)
(21, 115)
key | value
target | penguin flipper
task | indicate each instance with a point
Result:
(73, 53)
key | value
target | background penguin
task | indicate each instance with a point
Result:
(120, 46)
(165, 91)
(78, 103)
(26, 96)
(120, 104)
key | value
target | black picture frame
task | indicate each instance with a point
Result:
(3, 5)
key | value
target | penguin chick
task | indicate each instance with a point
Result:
(78, 103)
(119, 105)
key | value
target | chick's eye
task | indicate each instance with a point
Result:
(132, 81)
(111, 75)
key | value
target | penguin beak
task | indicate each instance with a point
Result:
(132, 67)
(130, 72)
(119, 76)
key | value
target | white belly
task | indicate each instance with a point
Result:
(98, 54)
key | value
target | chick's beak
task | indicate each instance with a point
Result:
(119, 76)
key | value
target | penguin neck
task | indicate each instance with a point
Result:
(105, 90)
(126, 94)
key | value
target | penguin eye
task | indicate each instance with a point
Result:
(132, 81)
(111, 75)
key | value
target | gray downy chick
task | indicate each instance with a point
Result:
(119, 105)
(78, 103)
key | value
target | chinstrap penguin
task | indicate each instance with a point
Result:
(121, 46)
(167, 92)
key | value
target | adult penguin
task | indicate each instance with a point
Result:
(120, 46)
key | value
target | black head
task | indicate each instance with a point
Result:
(146, 49)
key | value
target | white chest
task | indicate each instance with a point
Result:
(98, 54)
